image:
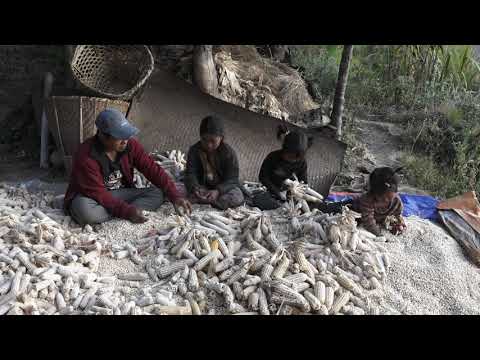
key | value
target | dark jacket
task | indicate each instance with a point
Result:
(275, 171)
(90, 167)
(225, 162)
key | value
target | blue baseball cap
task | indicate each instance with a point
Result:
(114, 123)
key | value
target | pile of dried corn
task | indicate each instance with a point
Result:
(237, 258)
(173, 162)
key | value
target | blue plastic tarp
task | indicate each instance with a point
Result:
(423, 206)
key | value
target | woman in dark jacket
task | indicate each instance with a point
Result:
(212, 173)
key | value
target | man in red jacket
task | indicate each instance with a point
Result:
(101, 184)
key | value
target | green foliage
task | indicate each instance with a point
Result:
(434, 87)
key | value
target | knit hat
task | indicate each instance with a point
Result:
(211, 125)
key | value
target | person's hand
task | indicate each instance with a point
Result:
(200, 194)
(137, 217)
(182, 206)
(213, 195)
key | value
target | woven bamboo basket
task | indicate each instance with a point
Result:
(71, 120)
(112, 71)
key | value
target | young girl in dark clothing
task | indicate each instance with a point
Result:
(382, 200)
(282, 164)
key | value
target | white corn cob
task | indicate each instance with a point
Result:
(15, 286)
(240, 274)
(182, 287)
(228, 273)
(292, 296)
(253, 301)
(301, 287)
(314, 302)
(23, 258)
(266, 272)
(319, 291)
(297, 278)
(206, 259)
(24, 283)
(248, 290)
(195, 308)
(329, 297)
(281, 267)
(165, 271)
(272, 240)
(214, 227)
(223, 247)
(252, 280)
(223, 265)
(374, 283)
(340, 302)
(238, 291)
(193, 281)
(262, 302)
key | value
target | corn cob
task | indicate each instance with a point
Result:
(193, 281)
(15, 285)
(214, 227)
(272, 240)
(206, 259)
(238, 290)
(227, 230)
(266, 272)
(193, 304)
(323, 310)
(264, 226)
(204, 243)
(329, 297)
(223, 265)
(251, 243)
(228, 273)
(281, 267)
(253, 301)
(182, 287)
(248, 290)
(241, 273)
(340, 302)
(262, 302)
(374, 283)
(165, 271)
(223, 247)
(301, 287)
(185, 272)
(315, 304)
(252, 280)
(304, 263)
(259, 263)
(319, 291)
(295, 298)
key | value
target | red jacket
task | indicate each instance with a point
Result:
(88, 174)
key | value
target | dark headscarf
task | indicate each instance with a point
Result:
(212, 125)
(295, 142)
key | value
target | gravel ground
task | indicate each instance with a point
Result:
(429, 273)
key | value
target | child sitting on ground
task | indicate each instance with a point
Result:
(282, 164)
(381, 202)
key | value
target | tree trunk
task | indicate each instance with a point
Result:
(339, 98)
(204, 72)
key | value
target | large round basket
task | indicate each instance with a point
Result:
(112, 71)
